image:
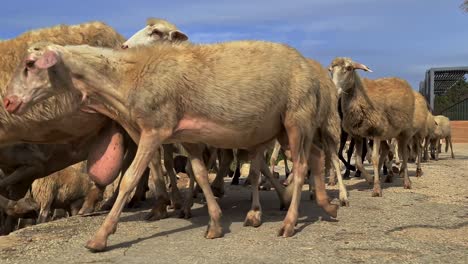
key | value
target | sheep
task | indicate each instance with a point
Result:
(430, 127)
(205, 93)
(379, 109)
(442, 131)
(65, 189)
(83, 130)
(160, 29)
(155, 31)
(420, 130)
(74, 127)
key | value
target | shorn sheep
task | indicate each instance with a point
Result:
(442, 131)
(159, 29)
(381, 110)
(230, 95)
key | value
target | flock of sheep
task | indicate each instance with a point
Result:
(80, 93)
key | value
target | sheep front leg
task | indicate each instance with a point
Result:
(343, 193)
(148, 144)
(359, 165)
(215, 229)
(377, 191)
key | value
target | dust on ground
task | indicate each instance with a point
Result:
(426, 224)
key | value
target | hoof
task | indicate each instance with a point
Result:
(407, 185)
(388, 178)
(95, 245)
(214, 231)
(286, 230)
(312, 196)
(235, 181)
(157, 213)
(377, 192)
(419, 172)
(176, 201)
(330, 209)
(85, 210)
(185, 213)
(253, 218)
(218, 192)
(346, 174)
(344, 202)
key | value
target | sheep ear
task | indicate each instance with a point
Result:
(47, 60)
(176, 35)
(361, 67)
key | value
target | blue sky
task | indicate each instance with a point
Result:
(393, 37)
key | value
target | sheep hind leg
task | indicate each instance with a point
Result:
(449, 140)
(300, 151)
(215, 229)
(343, 195)
(402, 144)
(254, 216)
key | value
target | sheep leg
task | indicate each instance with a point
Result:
(316, 164)
(402, 144)
(385, 160)
(176, 199)
(349, 153)
(377, 191)
(438, 146)
(215, 229)
(300, 151)
(148, 146)
(419, 153)
(157, 186)
(94, 195)
(254, 216)
(284, 195)
(449, 140)
(235, 178)
(186, 211)
(226, 158)
(359, 165)
(426, 148)
(343, 196)
(45, 211)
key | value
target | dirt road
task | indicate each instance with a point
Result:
(424, 225)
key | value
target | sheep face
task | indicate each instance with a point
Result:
(32, 81)
(343, 75)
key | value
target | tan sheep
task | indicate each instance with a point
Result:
(442, 131)
(378, 109)
(65, 189)
(156, 30)
(229, 95)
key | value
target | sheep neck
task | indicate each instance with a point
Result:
(98, 77)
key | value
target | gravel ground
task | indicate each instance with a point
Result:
(428, 224)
